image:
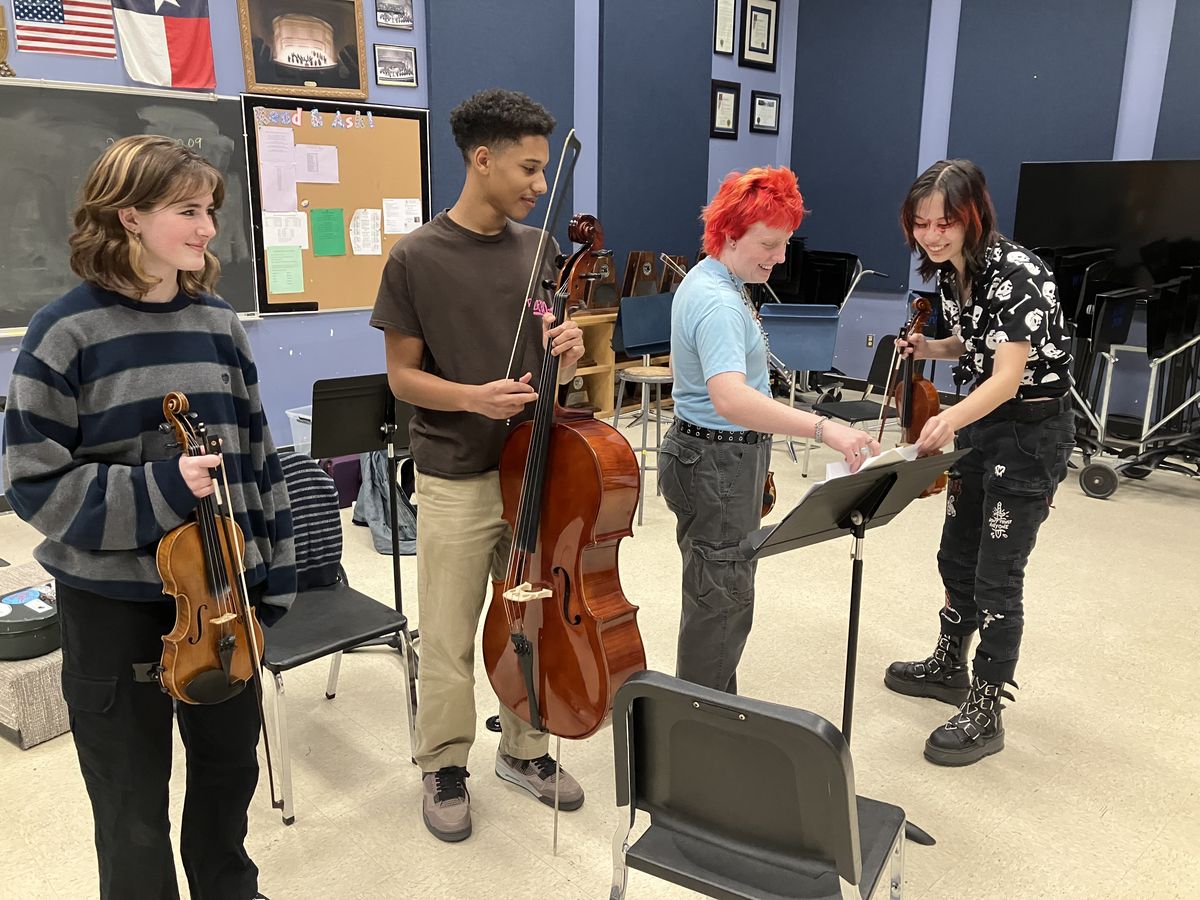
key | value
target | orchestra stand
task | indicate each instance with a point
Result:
(852, 504)
(356, 415)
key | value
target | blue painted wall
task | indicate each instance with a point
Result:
(1178, 121)
(472, 45)
(655, 67)
(1036, 80)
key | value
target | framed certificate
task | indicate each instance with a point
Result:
(760, 27)
(725, 102)
(723, 37)
(764, 112)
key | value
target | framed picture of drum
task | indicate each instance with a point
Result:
(306, 48)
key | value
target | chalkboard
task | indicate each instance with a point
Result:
(53, 133)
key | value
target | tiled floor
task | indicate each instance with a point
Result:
(1097, 794)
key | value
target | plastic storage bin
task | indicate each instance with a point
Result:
(301, 419)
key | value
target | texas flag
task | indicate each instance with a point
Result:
(166, 42)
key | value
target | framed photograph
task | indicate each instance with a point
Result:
(725, 103)
(723, 26)
(760, 27)
(305, 48)
(764, 112)
(395, 65)
(394, 14)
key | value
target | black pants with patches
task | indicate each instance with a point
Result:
(997, 498)
(715, 491)
(122, 731)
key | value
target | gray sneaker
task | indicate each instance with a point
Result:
(446, 805)
(538, 776)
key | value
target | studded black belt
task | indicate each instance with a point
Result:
(720, 437)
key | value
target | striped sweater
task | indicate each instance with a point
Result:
(85, 461)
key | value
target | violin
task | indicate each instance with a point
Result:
(215, 647)
(915, 398)
(559, 637)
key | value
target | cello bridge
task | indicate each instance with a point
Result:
(524, 593)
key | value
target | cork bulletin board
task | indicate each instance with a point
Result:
(333, 186)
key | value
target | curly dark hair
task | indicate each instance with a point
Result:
(496, 117)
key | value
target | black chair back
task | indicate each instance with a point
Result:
(772, 784)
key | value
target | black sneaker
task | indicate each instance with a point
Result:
(446, 803)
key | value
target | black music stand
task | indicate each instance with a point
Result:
(360, 415)
(850, 505)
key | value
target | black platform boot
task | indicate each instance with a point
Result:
(942, 676)
(974, 732)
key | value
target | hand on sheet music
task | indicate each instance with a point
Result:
(936, 434)
(502, 399)
(855, 445)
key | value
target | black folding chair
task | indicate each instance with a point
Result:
(747, 799)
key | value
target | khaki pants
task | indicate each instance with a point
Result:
(461, 539)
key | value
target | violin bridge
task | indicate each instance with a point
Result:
(222, 619)
(524, 593)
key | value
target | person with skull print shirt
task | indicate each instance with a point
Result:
(1004, 325)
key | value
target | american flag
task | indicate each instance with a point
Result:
(76, 27)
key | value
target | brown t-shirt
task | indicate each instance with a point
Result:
(462, 293)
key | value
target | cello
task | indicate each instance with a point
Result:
(915, 397)
(559, 636)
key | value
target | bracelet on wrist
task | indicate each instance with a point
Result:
(819, 430)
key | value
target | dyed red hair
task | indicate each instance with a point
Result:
(762, 194)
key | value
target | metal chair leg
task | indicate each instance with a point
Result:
(616, 422)
(620, 870)
(645, 435)
(410, 693)
(283, 755)
(335, 666)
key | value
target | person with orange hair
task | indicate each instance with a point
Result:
(713, 462)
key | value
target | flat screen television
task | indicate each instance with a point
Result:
(1147, 211)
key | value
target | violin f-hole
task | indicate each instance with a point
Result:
(199, 624)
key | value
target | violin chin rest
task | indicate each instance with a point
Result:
(211, 687)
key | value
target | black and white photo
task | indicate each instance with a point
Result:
(394, 14)
(395, 65)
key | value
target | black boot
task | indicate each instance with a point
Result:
(974, 732)
(942, 676)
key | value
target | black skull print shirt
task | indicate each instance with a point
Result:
(1015, 298)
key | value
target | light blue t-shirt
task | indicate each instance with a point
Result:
(712, 332)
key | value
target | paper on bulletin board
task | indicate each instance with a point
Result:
(401, 215)
(277, 168)
(317, 163)
(286, 229)
(276, 145)
(364, 232)
(278, 181)
(285, 271)
(328, 232)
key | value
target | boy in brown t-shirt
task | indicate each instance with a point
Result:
(449, 304)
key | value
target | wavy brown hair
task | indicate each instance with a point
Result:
(144, 172)
(966, 200)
